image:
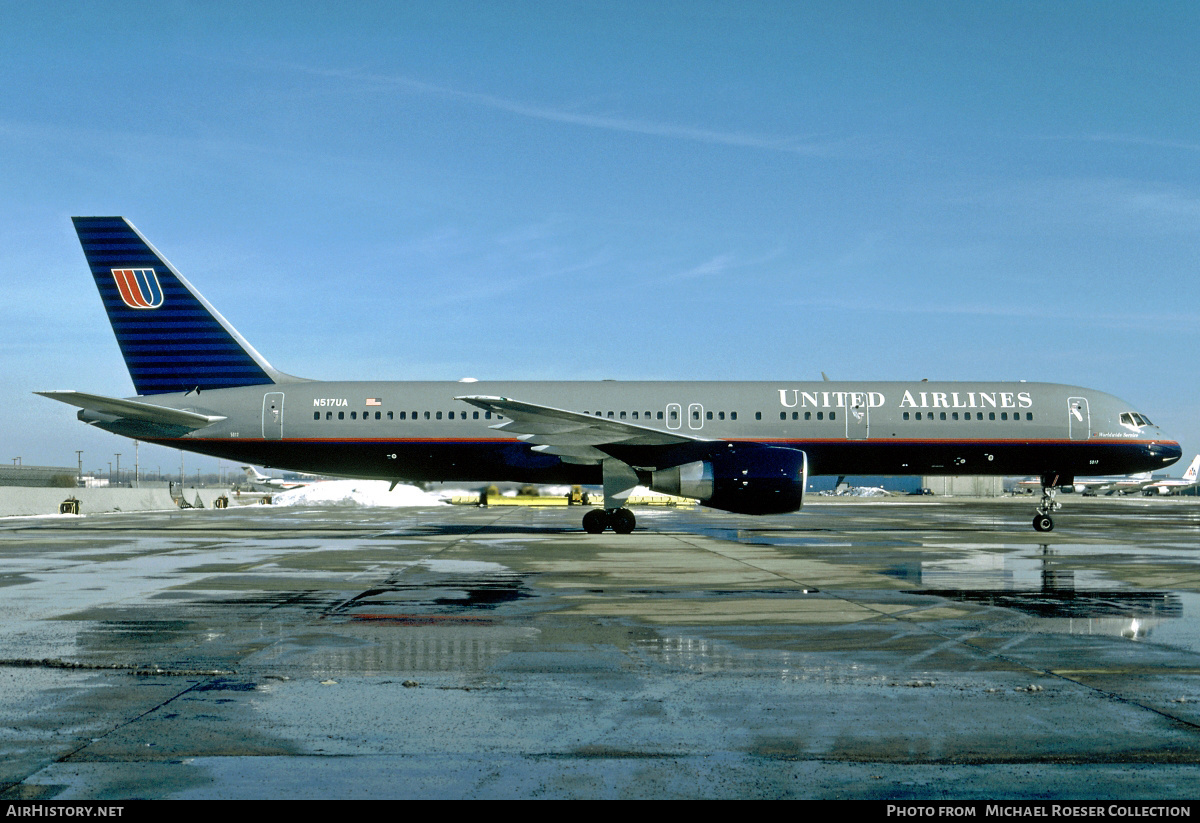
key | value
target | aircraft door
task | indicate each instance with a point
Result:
(272, 415)
(858, 415)
(1079, 419)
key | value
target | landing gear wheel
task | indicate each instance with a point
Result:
(1043, 522)
(622, 520)
(595, 521)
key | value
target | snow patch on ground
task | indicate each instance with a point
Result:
(357, 493)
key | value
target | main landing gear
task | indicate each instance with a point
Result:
(620, 521)
(619, 480)
(1042, 521)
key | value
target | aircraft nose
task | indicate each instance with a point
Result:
(1168, 452)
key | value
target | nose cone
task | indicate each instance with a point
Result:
(1166, 451)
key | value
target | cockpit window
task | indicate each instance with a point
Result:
(1135, 419)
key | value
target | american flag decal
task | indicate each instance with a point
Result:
(374, 401)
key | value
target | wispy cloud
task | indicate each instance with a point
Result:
(1053, 312)
(1126, 140)
(806, 146)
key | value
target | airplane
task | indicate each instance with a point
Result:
(260, 482)
(743, 447)
(1170, 486)
(1108, 484)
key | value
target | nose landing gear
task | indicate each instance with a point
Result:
(1042, 521)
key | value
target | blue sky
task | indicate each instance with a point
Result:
(692, 190)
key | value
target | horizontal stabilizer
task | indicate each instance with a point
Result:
(134, 409)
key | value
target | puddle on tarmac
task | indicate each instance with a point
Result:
(436, 590)
(1045, 583)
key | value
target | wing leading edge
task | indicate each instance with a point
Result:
(573, 436)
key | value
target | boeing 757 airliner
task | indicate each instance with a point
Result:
(745, 447)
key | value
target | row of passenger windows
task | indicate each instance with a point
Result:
(462, 415)
(967, 415)
(674, 415)
(808, 415)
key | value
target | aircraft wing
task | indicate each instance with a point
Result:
(573, 436)
(134, 409)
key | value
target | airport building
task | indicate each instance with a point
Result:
(62, 477)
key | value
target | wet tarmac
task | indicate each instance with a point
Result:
(863, 649)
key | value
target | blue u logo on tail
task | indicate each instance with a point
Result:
(139, 288)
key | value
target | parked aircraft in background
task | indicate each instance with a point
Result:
(743, 447)
(1170, 486)
(1110, 484)
(260, 482)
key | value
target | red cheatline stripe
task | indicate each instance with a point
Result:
(423, 618)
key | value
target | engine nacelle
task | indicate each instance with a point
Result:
(742, 479)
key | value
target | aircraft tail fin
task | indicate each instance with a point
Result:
(254, 475)
(172, 339)
(1192, 470)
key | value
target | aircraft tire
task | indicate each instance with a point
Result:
(595, 521)
(1043, 523)
(622, 521)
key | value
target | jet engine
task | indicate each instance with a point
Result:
(742, 479)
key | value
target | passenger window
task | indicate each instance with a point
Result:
(808, 415)
(954, 415)
(991, 415)
(328, 415)
(821, 415)
(378, 415)
(341, 415)
(795, 415)
(316, 415)
(635, 417)
(708, 415)
(943, 415)
(659, 416)
(438, 415)
(733, 415)
(487, 415)
(474, 415)
(451, 415)
(833, 415)
(426, 415)
(353, 415)
(783, 415)
(390, 415)
(721, 415)
(906, 415)
(622, 415)
(1028, 415)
